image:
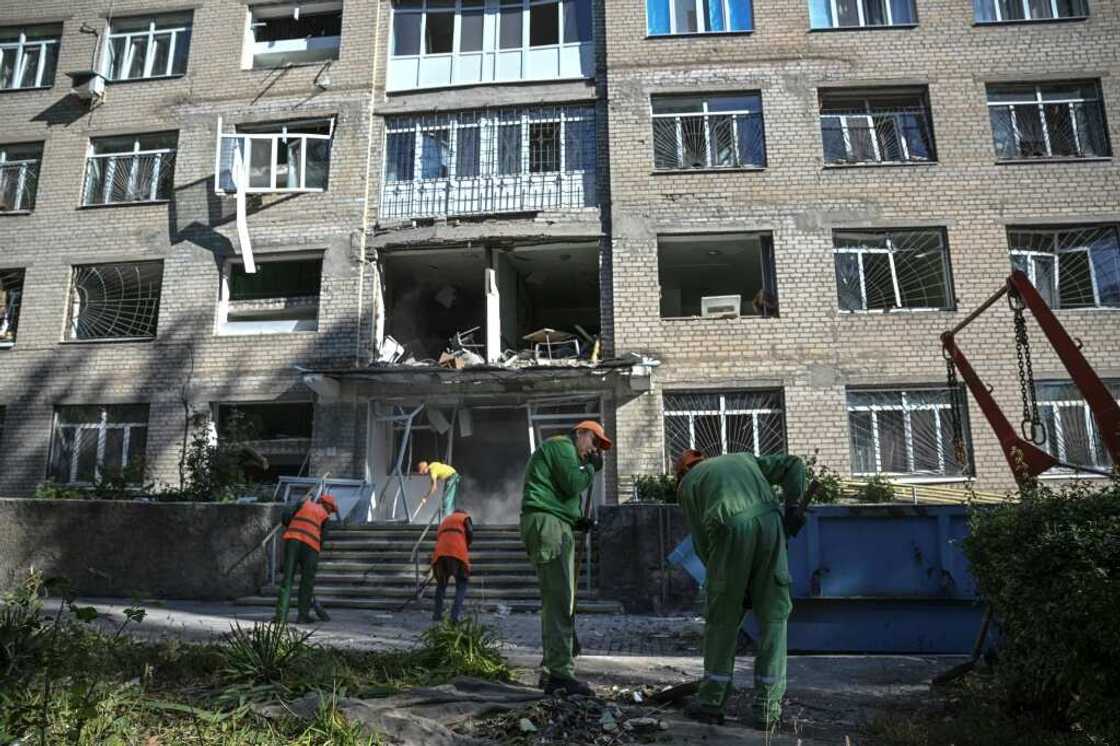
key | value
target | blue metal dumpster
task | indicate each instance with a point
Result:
(876, 579)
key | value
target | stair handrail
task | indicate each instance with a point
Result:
(415, 556)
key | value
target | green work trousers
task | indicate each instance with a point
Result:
(551, 548)
(748, 551)
(297, 554)
(450, 490)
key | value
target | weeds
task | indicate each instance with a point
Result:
(262, 653)
(464, 649)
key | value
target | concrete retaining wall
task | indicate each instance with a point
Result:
(153, 550)
(634, 540)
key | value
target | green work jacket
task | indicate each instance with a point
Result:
(555, 479)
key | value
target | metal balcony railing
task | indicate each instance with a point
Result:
(1066, 129)
(900, 135)
(131, 177)
(18, 183)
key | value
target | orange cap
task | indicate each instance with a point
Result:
(329, 503)
(597, 429)
(687, 460)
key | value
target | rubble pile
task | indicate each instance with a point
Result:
(586, 721)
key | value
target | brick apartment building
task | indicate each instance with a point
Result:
(713, 224)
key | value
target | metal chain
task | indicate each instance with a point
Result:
(1037, 432)
(959, 452)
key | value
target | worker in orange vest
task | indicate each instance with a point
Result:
(303, 540)
(452, 559)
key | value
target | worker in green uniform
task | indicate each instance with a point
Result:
(736, 522)
(558, 472)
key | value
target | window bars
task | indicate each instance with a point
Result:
(892, 270)
(19, 176)
(28, 56)
(723, 422)
(708, 132)
(488, 161)
(1072, 436)
(824, 14)
(114, 301)
(1002, 11)
(281, 157)
(697, 16)
(904, 432)
(99, 441)
(876, 127)
(11, 293)
(152, 47)
(121, 170)
(1053, 120)
(1071, 267)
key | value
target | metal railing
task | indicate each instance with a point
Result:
(899, 135)
(1068, 129)
(414, 557)
(724, 140)
(129, 177)
(18, 184)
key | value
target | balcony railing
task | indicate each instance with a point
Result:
(878, 136)
(1066, 129)
(18, 183)
(130, 177)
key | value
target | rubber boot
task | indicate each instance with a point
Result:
(282, 602)
(319, 610)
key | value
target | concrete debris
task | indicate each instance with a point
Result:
(575, 720)
(527, 726)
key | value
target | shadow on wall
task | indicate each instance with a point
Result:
(64, 112)
(196, 211)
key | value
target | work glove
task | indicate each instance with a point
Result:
(596, 461)
(583, 524)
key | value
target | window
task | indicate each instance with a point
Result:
(826, 14)
(131, 168)
(718, 422)
(278, 431)
(885, 125)
(907, 432)
(718, 275)
(697, 16)
(114, 301)
(28, 56)
(1002, 11)
(11, 292)
(886, 270)
(148, 47)
(454, 42)
(1072, 266)
(19, 176)
(1072, 435)
(281, 296)
(279, 157)
(1050, 120)
(501, 160)
(293, 34)
(99, 441)
(708, 132)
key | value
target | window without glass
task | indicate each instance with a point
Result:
(907, 432)
(278, 157)
(1072, 435)
(293, 34)
(281, 296)
(99, 441)
(825, 14)
(1000, 11)
(717, 275)
(19, 176)
(114, 301)
(148, 47)
(11, 293)
(280, 432)
(708, 131)
(1048, 120)
(28, 56)
(718, 422)
(1072, 266)
(885, 270)
(882, 125)
(697, 16)
(130, 168)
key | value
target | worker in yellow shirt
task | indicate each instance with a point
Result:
(438, 472)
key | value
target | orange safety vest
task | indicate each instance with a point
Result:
(451, 539)
(307, 525)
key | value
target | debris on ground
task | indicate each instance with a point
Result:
(575, 720)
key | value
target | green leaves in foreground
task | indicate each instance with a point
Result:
(463, 649)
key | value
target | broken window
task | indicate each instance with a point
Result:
(277, 433)
(717, 275)
(708, 131)
(99, 441)
(1071, 266)
(1072, 435)
(130, 168)
(824, 14)
(697, 16)
(279, 156)
(907, 432)
(114, 301)
(148, 47)
(281, 296)
(999, 11)
(1048, 120)
(19, 176)
(718, 422)
(28, 56)
(884, 270)
(294, 33)
(884, 125)
(11, 293)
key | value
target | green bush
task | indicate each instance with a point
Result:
(878, 489)
(831, 487)
(1050, 568)
(655, 488)
(263, 653)
(463, 649)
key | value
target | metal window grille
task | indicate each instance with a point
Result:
(904, 432)
(287, 157)
(138, 175)
(723, 422)
(889, 270)
(27, 59)
(1000, 11)
(489, 161)
(713, 136)
(888, 127)
(19, 182)
(154, 48)
(11, 294)
(115, 301)
(1075, 267)
(1048, 121)
(1071, 432)
(94, 442)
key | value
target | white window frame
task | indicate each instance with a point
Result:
(907, 410)
(706, 114)
(24, 166)
(223, 327)
(1095, 445)
(723, 412)
(891, 251)
(1027, 17)
(861, 10)
(250, 47)
(1040, 103)
(702, 18)
(247, 141)
(102, 427)
(132, 157)
(154, 29)
(1055, 253)
(869, 116)
(11, 309)
(19, 49)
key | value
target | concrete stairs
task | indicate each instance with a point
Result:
(368, 566)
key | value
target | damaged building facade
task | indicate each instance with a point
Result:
(384, 231)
